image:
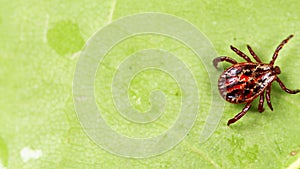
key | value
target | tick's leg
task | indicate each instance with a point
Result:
(261, 103)
(240, 115)
(268, 92)
(279, 47)
(253, 54)
(223, 58)
(240, 53)
(286, 89)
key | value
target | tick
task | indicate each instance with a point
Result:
(243, 82)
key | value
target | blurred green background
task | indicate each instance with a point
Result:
(40, 42)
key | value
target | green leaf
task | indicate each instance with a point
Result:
(41, 41)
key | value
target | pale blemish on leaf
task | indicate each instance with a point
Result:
(27, 154)
(1, 166)
(295, 165)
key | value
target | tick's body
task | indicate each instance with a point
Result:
(243, 82)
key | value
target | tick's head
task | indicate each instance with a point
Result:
(276, 70)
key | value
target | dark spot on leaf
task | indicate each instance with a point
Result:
(293, 153)
(65, 38)
(3, 152)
